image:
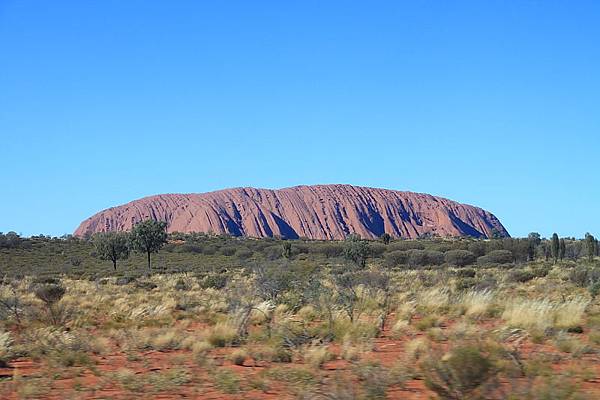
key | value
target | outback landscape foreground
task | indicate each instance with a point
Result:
(219, 317)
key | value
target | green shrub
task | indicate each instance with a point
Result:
(463, 373)
(465, 283)
(244, 254)
(466, 273)
(50, 293)
(357, 250)
(396, 258)
(520, 276)
(374, 379)
(594, 289)
(181, 285)
(584, 276)
(189, 248)
(496, 257)
(214, 281)
(427, 322)
(459, 258)
(228, 250)
(330, 250)
(227, 381)
(419, 258)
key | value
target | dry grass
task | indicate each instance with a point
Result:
(424, 315)
(222, 334)
(400, 328)
(6, 342)
(434, 299)
(238, 356)
(416, 348)
(545, 313)
(476, 304)
(316, 356)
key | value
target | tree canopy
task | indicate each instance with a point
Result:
(149, 236)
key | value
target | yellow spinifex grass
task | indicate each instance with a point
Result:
(5, 346)
(476, 303)
(434, 299)
(545, 313)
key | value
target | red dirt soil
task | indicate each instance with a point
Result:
(81, 382)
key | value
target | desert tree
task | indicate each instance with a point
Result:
(356, 250)
(562, 249)
(497, 234)
(242, 297)
(321, 293)
(111, 246)
(381, 288)
(351, 293)
(386, 238)
(10, 240)
(149, 237)
(555, 247)
(590, 245)
(272, 280)
(574, 249)
(545, 249)
(533, 241)
(287, 249)
(50, 295)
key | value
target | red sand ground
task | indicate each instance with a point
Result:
(83, 383)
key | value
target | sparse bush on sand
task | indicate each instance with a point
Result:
(310, 320)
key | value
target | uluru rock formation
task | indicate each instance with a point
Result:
(314, 212)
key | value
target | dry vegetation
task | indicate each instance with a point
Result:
(256, 319)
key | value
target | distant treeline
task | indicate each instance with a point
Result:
(393, 252)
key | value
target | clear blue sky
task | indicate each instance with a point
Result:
(495, 104)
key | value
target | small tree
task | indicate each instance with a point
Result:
(545, 249)
(555, 247)
(590, 246)
(323, 295)
(563, 249)
(287, 249)
(112, 246)
(148, 237)
(50, 295)
(533, 241)
(386, 238)
(348, 294)
(380, 287)
(356, 250)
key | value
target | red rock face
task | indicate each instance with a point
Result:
(314, 212)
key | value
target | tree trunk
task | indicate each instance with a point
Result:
(114, 264)
(149, 267)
